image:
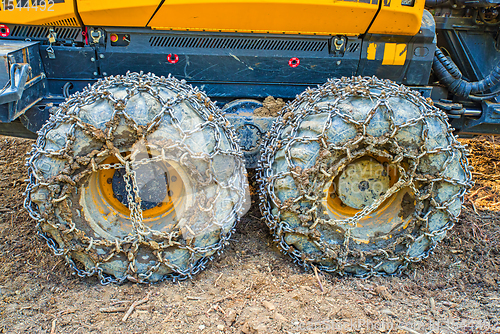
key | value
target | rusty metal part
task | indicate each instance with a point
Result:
(123, 138)
(342, 123)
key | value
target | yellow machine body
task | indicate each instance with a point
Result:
(46, 12)
(309, 17)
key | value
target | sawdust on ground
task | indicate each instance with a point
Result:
(253, 288)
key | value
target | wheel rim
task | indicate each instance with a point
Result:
(382, 220)
(110, 218)
(173, 198)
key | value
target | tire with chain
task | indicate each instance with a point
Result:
(361, 176)
(137, 177)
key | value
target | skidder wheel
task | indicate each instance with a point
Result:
(361, 176)
(137, 177)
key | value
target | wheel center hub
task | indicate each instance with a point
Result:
(362, 182)
(152, 183)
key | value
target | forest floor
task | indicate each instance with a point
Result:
(252, 288)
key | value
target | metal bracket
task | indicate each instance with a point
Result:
(14, 89)
(96, 36)
(52, 39)
(338, 46)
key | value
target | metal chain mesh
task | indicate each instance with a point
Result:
(311, 182)
(62, 234)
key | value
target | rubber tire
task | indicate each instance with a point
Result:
(74, 227)
(351, 98)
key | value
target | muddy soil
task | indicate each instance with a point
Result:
(271, 107)
(253, 288)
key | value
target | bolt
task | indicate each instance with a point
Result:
(363, 185)
(101, 56)
(92, 59)
(104, 73)
(174, 178)
(95, 73)
(338, 62)
(109, 180)
(170, 193)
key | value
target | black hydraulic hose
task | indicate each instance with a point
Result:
(67, 86)
(448, 64)
(449, 74)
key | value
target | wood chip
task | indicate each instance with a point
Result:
(270, 306)
(218, 278)
(382, 292)
(319, 280)
(117, 309)
(193, 298)
(115, 302)
(53, 327)
(449, 304)
(388, 312)
(484, 197)
(134, 305)
(490, 177)
(280, 317)
(167, 318)
(432, 304)
(228, 296)
(409, 330)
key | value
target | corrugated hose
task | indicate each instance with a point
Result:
(449, 74)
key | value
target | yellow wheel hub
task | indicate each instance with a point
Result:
(167, 196)
(359, 185)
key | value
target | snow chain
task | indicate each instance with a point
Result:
(322, 172)
(78, 167)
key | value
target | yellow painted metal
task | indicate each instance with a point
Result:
(371, 51)
(380, 222)
(322, 17)
(105, 189)
(394, 54)
(117, 12)
(47, 12)
(396, 19)
(335, 205)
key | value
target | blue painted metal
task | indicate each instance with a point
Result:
(236, 66)
(250, 128)
(22, 78)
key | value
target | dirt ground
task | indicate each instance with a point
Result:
(253, 288)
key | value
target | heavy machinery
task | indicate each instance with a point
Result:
(142, 177)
